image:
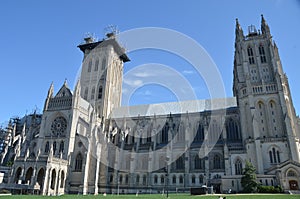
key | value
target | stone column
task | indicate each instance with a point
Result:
(98, 155)
(44, 191)
(57, 184)
(49, 182)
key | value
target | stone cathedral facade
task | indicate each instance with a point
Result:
(84, 142)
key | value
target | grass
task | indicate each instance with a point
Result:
(158, 196)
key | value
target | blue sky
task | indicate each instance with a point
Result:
(39, 39)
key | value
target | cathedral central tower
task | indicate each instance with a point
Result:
(267, 114)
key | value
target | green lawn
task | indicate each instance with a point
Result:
(157, 196)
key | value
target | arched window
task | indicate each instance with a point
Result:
(53, 179)
(180, 163)
(28, 175)
(18, 174)
(274, 156)
(62, 179)
(200, 133)
(193, 179)
(137, 179)
(100, 92)
(262, 54)
(232, 130)
(93, 93)
(174, 179)
(111, 178)
(250, 55)
(271, 156)
(238, 167)
(86, 92)
(291, 173)
(144, 179)
(155, 179)
(120, 179)
(103, 63)
(90, 66)
(54, 147)
(78, 163)
(47, 147)
(201, 179)
(96, 64)
(61, 147)
(181, 133)
(181, 179)
(162, 179)
(214, 131)
(164, 134)
(217, 162)
(199, 163)
(126, 179)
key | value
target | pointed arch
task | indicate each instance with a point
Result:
(238, 167)
(93, 93)
(96, 64)
(193, 179)
(232, 130)
(40, 178)
(262, 53)
(180, 163)
(53, 179)
(201, 179)
(47, 147)
(174, 179)
(90, 66)
(200, 133)
(198, 162)
(86, 93)
(78, 162)
(217, 162)
(164, 134)
(28, 175)
(18, 174)
(100, 92)
(54, 147)
(62, 179)
(250, 55)
(61, 146)
(103, 63)
(155, 179)
(180, 179)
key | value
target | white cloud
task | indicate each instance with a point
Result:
(133, 83)
(143, 74)
(188, 72)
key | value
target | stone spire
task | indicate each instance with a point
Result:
(239, 35)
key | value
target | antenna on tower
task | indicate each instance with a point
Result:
(111, 31)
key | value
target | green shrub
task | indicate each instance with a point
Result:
(270, 189)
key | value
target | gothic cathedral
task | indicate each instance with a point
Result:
(84, 142)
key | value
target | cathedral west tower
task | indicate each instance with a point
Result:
(101, 73)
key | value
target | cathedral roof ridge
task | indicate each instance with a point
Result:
(181, 107)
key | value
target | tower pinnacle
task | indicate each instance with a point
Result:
(264, 26)
(239, 35)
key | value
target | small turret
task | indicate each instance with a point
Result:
(265, 30)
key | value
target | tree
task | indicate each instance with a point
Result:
(248, 180)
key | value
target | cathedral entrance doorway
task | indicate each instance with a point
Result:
(28, 175)
(217, 188)
(293, 185)
(40, 178)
